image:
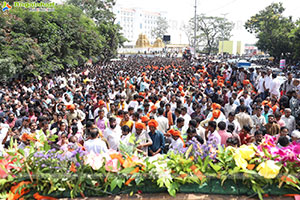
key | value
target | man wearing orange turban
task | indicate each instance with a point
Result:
(157, 138)
(143, 137)
(177, 142)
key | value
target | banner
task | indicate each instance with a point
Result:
(282, 64)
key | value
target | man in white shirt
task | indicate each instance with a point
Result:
(231, 120)
(289, 120)
(95, 143)
(163, 123)
(274, 86)
(113, 134)
(229, 107)
(187, 118)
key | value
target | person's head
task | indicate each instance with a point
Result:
(290, 76)
(287, 112)
(222, 125)
(94, 132)
(258, 111)
(139, 127)
(177, 112)
(191, 132)
(230, 128)
(266, 108)
(180, 122)
(11, 116)
(258, 136)
(193, 123)
(125, 130)
(135, 116)
(283, 141)
(246, 129)
(212, 125)
(184, 111)
(126, 116)
(112, 123)
(284, 131)
(271, 119)
(295, 135)
(152, 125)
(160, 111)
(232, 141)
(231, 100)
(62, 126)
(101, 114)
(231, 116)
(243, 108)
(130, 110)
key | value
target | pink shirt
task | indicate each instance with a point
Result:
(224, 136)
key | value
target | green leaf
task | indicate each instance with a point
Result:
(120, 182)
(216, 167)
(131, 193)
(187, 153)
(127, 170)
(113, 184)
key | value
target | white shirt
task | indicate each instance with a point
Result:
(201, 133)
(113, 137)
(163, 124)
(187, 119)
(176, 144)
(274, 88)
(95, 145)
(261, 85)
(133, 104)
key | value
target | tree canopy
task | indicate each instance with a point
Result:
(40, 42)
(210, 30)
(277, 35)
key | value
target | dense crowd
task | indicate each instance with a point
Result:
(154, 104)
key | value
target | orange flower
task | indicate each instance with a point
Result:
(287, 179)
(192, 157)
(73, 168)
(129, 181)
(117, 156)
(183, 175)
(15, 193)
(136, 170)
(37, 196)
(250, 166)
(198, 173)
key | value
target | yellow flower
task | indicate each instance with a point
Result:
(246, 152)
(239, 161)
(268, 169)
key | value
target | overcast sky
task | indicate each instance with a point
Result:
(238, 11)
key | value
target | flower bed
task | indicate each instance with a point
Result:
(246, 170)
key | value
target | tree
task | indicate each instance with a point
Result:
(273, 31)
(40, 42)
(100, 12)
(210, 30)
(161, 28)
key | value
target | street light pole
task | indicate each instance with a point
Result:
(195, 28)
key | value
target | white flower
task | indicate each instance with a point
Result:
(94, 160)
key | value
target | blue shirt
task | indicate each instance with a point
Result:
(158, 140)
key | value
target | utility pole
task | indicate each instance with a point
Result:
(195, 28)
(224, 15)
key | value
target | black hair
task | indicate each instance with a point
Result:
(125, 128)
(247, 128)
(179, 120)
(283, 141)
(222, 125)
(212, 124)
(160, 111)
(193, 123)
(258, 132)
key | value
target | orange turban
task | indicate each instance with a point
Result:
(234, 84)
(26, 137)
(153, 107)
(70, 107)
(180, 88)
(176, 133)
(139, 125)
(182, 94)
(152, 122)
(153, 82)
(215, 106)
(145, 119)
(215, 114)
(246, 82)
(131, 86)
(101, 103)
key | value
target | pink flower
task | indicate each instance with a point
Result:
(112, 165)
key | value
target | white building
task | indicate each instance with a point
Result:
(135, 21)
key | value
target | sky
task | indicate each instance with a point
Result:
(237, 11)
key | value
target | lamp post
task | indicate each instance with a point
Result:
(195, 29)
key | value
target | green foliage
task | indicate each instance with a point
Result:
(41, 42)
(275, 32)
(100, 12)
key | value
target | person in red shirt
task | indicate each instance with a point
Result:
(245, 136)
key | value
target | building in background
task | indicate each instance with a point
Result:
(251, 49)
(230, 47)
(136, 21)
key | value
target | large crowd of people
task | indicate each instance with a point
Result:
(154, 104)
